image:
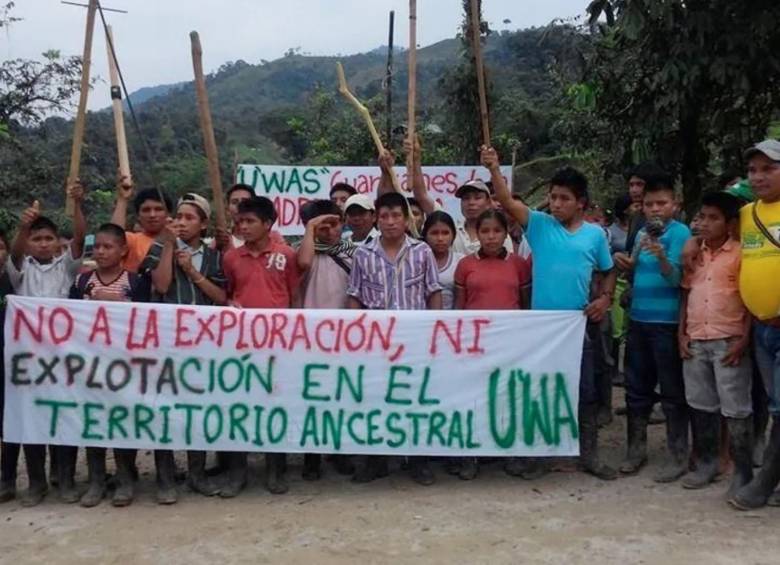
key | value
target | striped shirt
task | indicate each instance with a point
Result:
(655, 297)
(380, 283)
(119, 287)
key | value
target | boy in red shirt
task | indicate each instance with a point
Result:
(263, 273)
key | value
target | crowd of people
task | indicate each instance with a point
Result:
(694, 309)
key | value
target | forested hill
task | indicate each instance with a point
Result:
(288, 111)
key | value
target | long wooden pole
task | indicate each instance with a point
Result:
(389, 81)
(81, 115)
(207, 128)
(411, 122)
(116, 103)
(477, 47)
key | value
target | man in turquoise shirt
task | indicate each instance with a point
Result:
(567, 254)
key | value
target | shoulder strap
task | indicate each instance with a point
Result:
(762, 228)
(79, 289)
(341, 263)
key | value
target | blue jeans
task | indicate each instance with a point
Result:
(653, 359)
(767, 344)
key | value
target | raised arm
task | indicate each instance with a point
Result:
(19, 244)
(76, 192)
(427, 204)
(124, 193)
(307, 251)
(386, 161)
(162, 273)
(514, 208)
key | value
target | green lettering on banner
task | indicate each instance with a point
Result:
(415, 417)
(89, 421)
(392, 385)
(424, 388)
(189, 409)
(355, 387)
(373, 428)
(280, 414)
(311, 176)
(213, 415)
(223, 368)
(143, 417)
(435, 424)
(562, 402)
(165, 411)
(194, 361)
(258, 412)
(507, 439)
(238, 415)
(456, 430)
(470, 443)
(399, 432)
(310, 427)
(351, 431)
(266, 380)
(332, 428)
(55, 406)
(309, 384)
(534, 415)
(116, 417)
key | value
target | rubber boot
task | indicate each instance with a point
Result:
(343, 464)
(9, 463)
(312, 467)
(35, 459)
(222, 466)
(166, 477)
(54, 474)
(636, 454)
(369, 468)
(469, 469)
(197, 479)
(706, 443)
(420, 471)
(125, 479)
(757, 492)
(741, 449)
(96, 465)
(589, 440)
(236, 474)
(66, 473)
(275, 465)
(677, 423)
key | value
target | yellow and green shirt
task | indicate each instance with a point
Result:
(759, 277)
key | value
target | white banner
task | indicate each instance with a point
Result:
(292, 186)
(477, 383)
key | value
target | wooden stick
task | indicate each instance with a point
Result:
(411, 122)
(389, 81)
(477, 46)
(207, 128)
(116, 103)
(81, 115)
(363, 111)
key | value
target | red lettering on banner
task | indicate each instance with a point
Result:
(300, 333)
(35, 332)
(241, 343)
(318, 336)
(60, 312)
(205, 329)
(100, 326)
(477, 326)
(227, 321)
(278, 323)
(182, 328)
(455, 340)
(150, 331)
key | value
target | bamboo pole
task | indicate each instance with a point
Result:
(477, 47)
(389, 81)
(116, 103)
(207, 128)
(411, 122)
(81, 115)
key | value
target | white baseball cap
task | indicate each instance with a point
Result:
(361, 200)
(768, 147)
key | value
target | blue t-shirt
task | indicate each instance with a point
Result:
(656, 298)
(564, 262)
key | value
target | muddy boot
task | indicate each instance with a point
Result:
(9, 462)
(275, 465)
(706, 442)
(677, 445)
(197, 479)
(774, 500)
(741, 449)
(757, 492)
(125, 482)
(35, 459)
(420, 471)
(343, 464)
(516, 466)
(222, 466)
(66, 473)
(236, 475)
(96, 464)
(312, 467)
(636, 454)
(166, 477)
(369, 468)
(589, 444)
(469, 469)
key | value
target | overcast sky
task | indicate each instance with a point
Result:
(152, 40)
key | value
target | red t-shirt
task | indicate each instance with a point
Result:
(492, 283)
(269, 280)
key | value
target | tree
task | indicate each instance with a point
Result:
(687, 83)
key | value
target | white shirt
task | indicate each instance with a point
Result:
(44, 280)
(196, 254)
(464, 245)
(372, 235)
(447, 280)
